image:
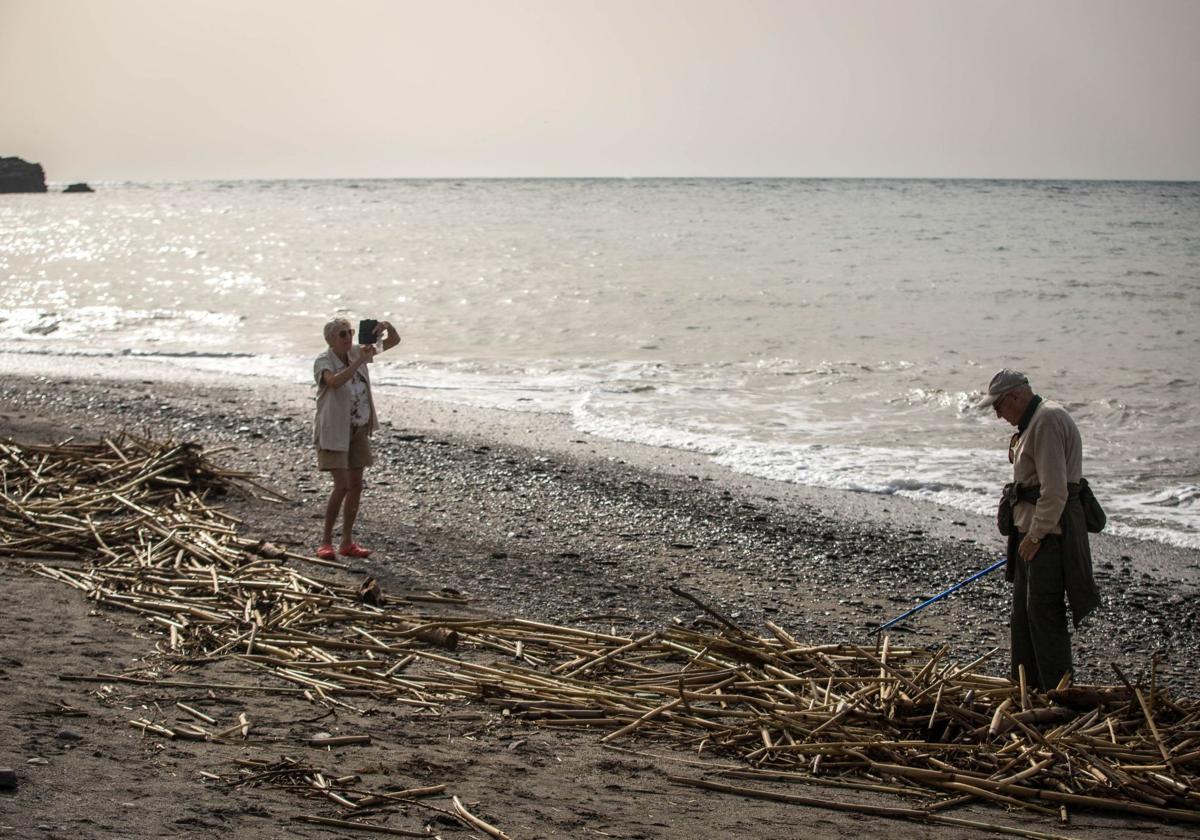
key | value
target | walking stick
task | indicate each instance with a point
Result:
(939, 596)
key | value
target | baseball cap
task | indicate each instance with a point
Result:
(1003, 382)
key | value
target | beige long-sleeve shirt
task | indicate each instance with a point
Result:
(1048, 456)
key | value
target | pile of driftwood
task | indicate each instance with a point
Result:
(881, 718)
(89, 501)
(908, 715)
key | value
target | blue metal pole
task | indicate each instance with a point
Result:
(940, 596)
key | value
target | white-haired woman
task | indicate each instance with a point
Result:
(345, 421)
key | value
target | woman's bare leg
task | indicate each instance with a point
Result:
(354, 487)
(341, 486)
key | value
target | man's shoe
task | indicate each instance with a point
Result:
(354, 550)
(325, 552)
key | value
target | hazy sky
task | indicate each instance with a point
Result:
(165, 89)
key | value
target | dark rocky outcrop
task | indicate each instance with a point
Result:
(80, 187)
(17, 176)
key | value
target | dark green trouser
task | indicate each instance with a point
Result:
(1040, 639)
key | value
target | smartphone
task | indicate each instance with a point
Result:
(366, 330)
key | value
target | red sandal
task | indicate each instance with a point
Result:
(354, 550)
(325, 552)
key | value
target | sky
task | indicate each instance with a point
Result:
(155, 90)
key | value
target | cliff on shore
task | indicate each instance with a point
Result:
(20, 176)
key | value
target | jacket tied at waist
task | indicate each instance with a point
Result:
(1094, 517)
(1081, 514)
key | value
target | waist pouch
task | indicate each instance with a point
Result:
(1004, 511)
(1093, 514)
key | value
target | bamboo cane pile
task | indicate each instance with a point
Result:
(904, 720)
(71, 500)
(840, 710)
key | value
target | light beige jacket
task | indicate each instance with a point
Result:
(331, 429)
(1048, 456)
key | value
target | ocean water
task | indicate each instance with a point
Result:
(832, 333)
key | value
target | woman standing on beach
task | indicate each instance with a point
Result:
(345, 421)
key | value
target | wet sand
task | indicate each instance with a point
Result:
(523, 516)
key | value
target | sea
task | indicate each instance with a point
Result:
(831, 333)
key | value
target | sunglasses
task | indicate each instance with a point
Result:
(345, 333)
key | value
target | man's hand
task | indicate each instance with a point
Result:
(1028, 549)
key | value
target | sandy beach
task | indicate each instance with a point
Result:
(521, 516)
(689, 311)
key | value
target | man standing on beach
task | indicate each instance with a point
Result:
(1048, 551)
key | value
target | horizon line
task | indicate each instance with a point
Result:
(333, 178)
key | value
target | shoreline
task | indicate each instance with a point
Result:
(553, 425)
(552, 432)
(528, 486)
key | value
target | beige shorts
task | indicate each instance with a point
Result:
(358, 456)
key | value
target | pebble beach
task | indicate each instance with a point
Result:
(522, 516)
(562, 525)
